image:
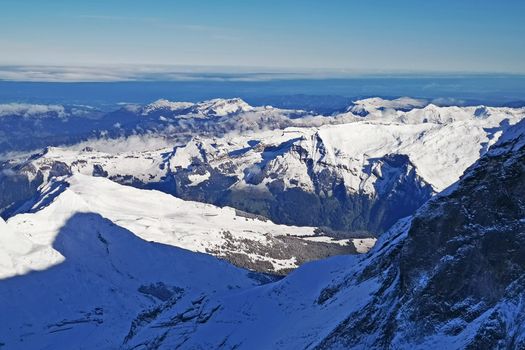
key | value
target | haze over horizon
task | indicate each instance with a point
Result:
(344, 37)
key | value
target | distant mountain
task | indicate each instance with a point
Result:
(376, 104)
(86, 261)
(452, 276)
(362, 175)
(28, 127)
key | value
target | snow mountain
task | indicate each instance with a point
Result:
(27, 127)
(451, 276)
(74, 279)
(213, 108)
(376, 105)
(359, 176)
(244, 239)
(88, 262)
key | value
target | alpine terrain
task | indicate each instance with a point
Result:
(262, 175)
(450, 276)
(214, 236)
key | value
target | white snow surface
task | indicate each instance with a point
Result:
(197, 179)
(374, 104)
(363, 245)
(76, 279)
(11, 247)
(217, 107)
(441, 142)
(151, 215)
(71, 269)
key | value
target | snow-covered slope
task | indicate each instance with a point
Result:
(90, 261)
(78, 280)
(11, 247)
(244, 239)
(451, 277)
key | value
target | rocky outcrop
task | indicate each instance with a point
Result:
(17, 186)
(20, 183)
(459, 274)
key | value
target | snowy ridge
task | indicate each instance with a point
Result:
(158, 217)
(454, 136)
(221, 107)
(163, 104)
(374, 105)
(349, 167)
(217, 107)
(79, 278)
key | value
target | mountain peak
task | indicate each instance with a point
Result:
(218, 107)
(371, 105)
(221, 107)
(163, 104)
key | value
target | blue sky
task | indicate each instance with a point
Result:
(360, 35)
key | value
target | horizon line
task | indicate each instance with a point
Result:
(165, 72)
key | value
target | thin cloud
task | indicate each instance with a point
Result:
(119, 18)
(150, 73)
(104, 17)
(32, 110)
(161, 23)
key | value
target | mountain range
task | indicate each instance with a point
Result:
(222, 225)
(356, 172)
(449, 276)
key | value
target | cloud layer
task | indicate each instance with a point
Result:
(32, 110)
(107, 73)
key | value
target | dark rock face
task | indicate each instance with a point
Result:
(20, 183)
(458, 273)
(99, 171)
(17, 185)
(399, 192)
(160, 290)
(476, 239)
